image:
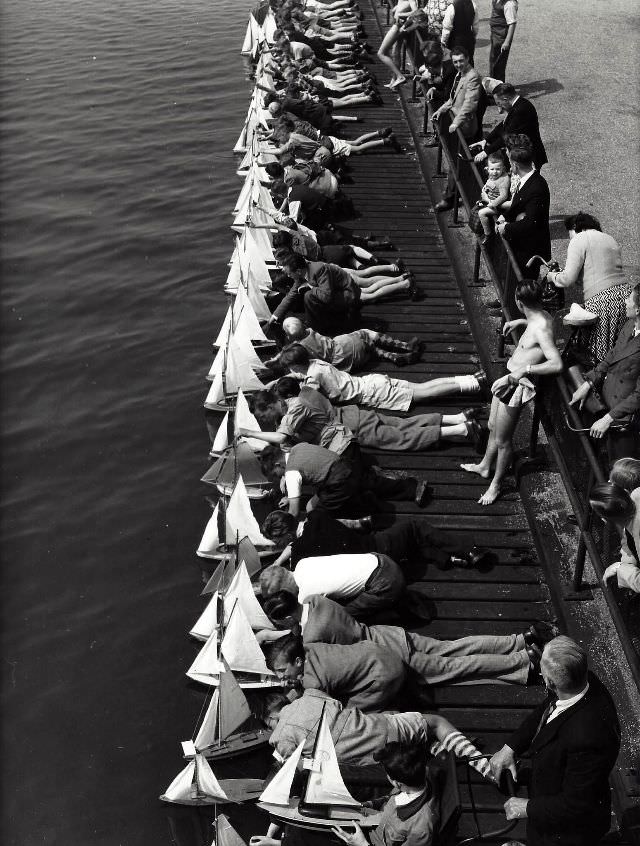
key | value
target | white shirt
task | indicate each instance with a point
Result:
(449, 16)
(524, 178)
(564, 704)
(339, 576)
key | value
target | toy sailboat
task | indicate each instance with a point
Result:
(242, 551)
(248, 266)
(242, 419)
(324, 796)
(240, 649)
(242, 340)
(230, 371)
(238, 460)
(218, 735)
(242, 321)
(239, 522)
(197, 785)
(239, 590)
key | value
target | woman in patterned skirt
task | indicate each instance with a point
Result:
(594, 260)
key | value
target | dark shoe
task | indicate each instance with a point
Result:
(385, 132)
(444, 205)
(375, 99)
(422, 493)
(431, 141)
(476, 435)
(476, 559)
(494, 312)
(493, 304)
(401, 265)
(535, 654)
(540, 633)
(414, 292)
(481, 378)
(392, 141)
(470, 413)
(366, 523)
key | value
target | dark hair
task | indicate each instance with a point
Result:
(626, 473)
(280, 527)
(521, 153)
(287, 387)
(581, 221)
(505, 90)
(270, 456)
(460, 51)
(282, 239)
(497, 157)
(280, 605)
(275, 170)
(611, 502)
(433, 59)
(287, 648)
(264, 706)
(294, 354)
(295, 264)
(267, 410)
(404, 762)
(529, 292)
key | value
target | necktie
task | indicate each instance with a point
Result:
(548, 711)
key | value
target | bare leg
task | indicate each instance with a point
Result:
(378, 270)
(443, 387)
(368, 136)
(485, 466)
(349, 100)
(395, 288)
(378, 283)
(368, 145)
(506, 422)
(385, 48)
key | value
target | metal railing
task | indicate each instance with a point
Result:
(578, 461)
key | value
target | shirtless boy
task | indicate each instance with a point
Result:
(535, 355)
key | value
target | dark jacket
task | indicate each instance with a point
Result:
(618, 376)
(572, 756)
(521, 119)
(529, 235)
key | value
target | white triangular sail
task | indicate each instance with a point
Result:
(243, 419)
(209, 546)
(325, 785)
(207, 733)
(240, 648)
(242, 337)
(226, 835)
(206, 623)
(195, 781)
(240, 520)
(241, 591)
(207, 666)
(245, 320)
(278, 791)
(238, 373)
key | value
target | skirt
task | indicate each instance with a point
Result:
(611, 310)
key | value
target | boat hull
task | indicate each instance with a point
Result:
(237, 790)
(237, 744)
(289, 815)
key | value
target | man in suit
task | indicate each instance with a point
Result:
(573, 741)
(525, 224)
(618, 378)
(463, 107)
(521, 119)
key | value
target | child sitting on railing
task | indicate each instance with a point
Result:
(494, 193)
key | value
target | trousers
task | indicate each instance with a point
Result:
(475, 659)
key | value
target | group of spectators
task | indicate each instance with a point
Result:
(332, 595)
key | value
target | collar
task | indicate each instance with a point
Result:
(405, 812)
(525, 178)
(300, 528)
(515, 101)
(565, 704)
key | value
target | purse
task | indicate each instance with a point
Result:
(593, 403)
(474, 222)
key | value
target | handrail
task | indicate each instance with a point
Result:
(505, 275)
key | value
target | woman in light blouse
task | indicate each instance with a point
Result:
(594, 260)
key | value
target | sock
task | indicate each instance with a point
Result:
(467, 384)
(461, 747)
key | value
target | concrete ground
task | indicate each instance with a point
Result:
(578, 63)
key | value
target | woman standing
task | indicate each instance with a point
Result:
(594, 259)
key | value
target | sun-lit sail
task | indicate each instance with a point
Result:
(241, 590)
(226, 835)
(240, 519)
(210, 544)
(195, 783)
(240, 648)
(278, 791)
(325, 785)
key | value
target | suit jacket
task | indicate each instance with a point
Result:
(464, 103)
(529, 235)
(521, 119)
(572, 756)
(618, 376)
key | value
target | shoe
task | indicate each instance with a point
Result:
(422, 493)
(375, 99)
(481, 377)
(470, 413)
(444, 205)
(366, 523)
(477, 435)
(476, 559)
(400, 266)
(540, 633)
(385, 132)
(431, 141)
(535, 654)
(493, 304)
(494, 312)
(396, 83)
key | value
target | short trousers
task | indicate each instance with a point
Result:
(518, 395)
(407, 727)
(338, 146)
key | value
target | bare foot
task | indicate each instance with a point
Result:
(491, 494)
(476, 468)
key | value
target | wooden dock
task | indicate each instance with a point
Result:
(392, 197)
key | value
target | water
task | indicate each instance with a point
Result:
(118, 122)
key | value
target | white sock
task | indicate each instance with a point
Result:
(467, 384)
(462, 747)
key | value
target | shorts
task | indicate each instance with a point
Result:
(407, 727)
(517, 396)
(338, 146)
(352, 351)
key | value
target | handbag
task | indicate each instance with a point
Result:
(593, 403)
(474, 222)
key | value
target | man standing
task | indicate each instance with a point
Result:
(502, 25)
(463, 106)
(521, 119)
(573, 741)
(525, 225)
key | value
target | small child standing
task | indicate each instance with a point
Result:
(494, 193)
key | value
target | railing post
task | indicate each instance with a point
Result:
(456, 194)
(475, 281)
(388, 13)
(403, 57)
(535, 426)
